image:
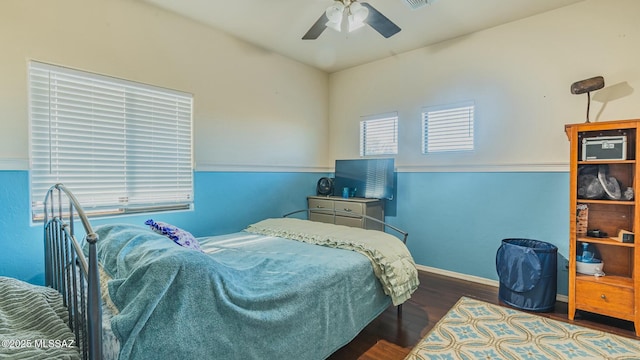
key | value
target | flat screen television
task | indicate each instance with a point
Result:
(366, 178)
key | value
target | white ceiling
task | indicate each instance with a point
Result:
(278, 25)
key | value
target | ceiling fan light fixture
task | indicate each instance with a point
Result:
(357, 16)
(337, 26)
(335, 11)
(335, 14)
(354, 24)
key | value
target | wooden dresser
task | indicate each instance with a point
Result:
(347, 211)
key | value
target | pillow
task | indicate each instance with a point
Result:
(179, 236)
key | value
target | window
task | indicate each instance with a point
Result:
(120, 146)
(379, 135)
(447, 128)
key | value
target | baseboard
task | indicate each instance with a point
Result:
(472, 278)
(457, 275)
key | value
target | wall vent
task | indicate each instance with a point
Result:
(416, 4)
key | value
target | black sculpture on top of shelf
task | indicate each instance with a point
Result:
(587, 86)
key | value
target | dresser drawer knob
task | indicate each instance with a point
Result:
(348, 210)
(603, 297)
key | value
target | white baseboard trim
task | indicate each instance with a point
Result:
(457, 275)
(472, 278)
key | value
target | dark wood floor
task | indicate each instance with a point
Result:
(390, 337)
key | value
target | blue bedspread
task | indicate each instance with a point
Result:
(247, 297)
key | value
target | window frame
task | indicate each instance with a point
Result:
(380, 119)
(162, 156)
(459, 143)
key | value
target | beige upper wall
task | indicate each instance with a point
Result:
(258, 110)
(253, 109)
(518, 74)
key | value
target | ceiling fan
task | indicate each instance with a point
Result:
(358, 14)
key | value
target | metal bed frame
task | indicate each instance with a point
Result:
(351, 214)
(68, 271)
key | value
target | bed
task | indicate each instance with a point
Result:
(283, 288)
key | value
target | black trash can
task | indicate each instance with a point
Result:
(527, 271)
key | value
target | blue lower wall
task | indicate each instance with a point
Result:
(455, 221)
(224, 202)
(22, 247)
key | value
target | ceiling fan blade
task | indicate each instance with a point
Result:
(379, 22)
(317, 28)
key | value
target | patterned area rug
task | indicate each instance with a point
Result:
(474, 329)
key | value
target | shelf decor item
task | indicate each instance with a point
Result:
(624, 236)
(602, 206)
(582, 219)
(604, 148)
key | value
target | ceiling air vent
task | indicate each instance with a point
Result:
(416, 4)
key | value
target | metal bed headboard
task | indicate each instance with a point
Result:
(68, 271)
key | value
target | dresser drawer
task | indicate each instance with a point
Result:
(321, 204)
(604, 299)
(349, 221)
(321, 210)
(346, 208)
(320, 217)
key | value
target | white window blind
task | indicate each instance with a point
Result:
(448, 128)
(379, 135)
(120, 146)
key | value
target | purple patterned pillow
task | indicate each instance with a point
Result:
(179, 236)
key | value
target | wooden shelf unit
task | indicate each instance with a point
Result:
(617, 294)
